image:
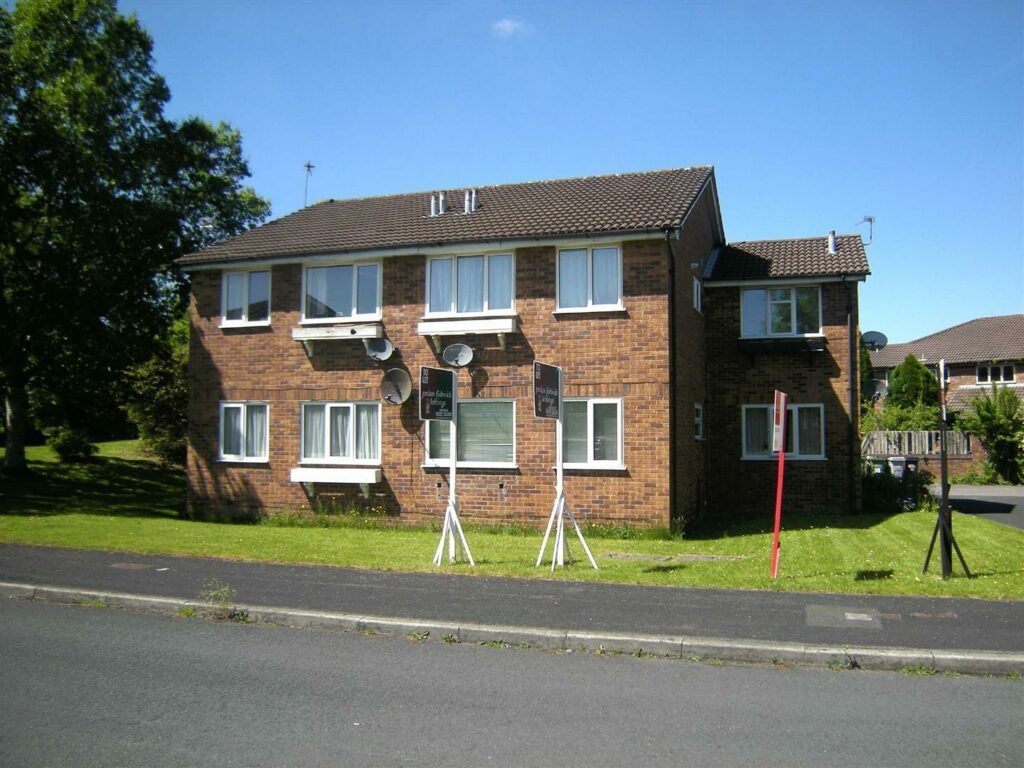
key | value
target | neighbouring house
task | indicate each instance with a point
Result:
(978, 354)
(671, 341)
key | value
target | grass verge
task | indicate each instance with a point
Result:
(125, 503)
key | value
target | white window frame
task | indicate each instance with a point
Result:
(264, 457)
(795, 455)
(767, 289)
(590, 305)
(1001, 367)
(339, 460)
(244, 321)
(591, 463)
(428, 461)
(355, 317)
(452, 311)
(698, 421)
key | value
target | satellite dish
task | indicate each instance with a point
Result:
(874, 340)
(379, 349)
(457, 355)
(395, 386)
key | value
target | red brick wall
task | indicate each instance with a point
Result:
(699, 237)
(739, 378)
(615, 354)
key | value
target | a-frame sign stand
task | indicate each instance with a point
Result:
(439, 403)
(547, 404)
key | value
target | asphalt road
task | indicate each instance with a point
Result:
(1001, 503)
(97, 687)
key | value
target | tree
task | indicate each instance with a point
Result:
(910, 384)
(158, 398)
(99, 192)
(997, 419)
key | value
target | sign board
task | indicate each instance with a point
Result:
(437, 394)
(547, 390)
(779, 422)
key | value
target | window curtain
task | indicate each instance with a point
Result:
(313, 431)
(339, 291)
(470, 280)
(499, 282)
(255, 431)
(341, 421)
(574, 432)
(606, 432)
(439, 440)
(316, 292)
(758, 430)
(440, 285)
(809, 425)
(754, 313)
(366, 300)
(606, 276)
(572, 278)
(259, 296)
(231, 431)
(366, 432)
(485, 432)
(235, 298)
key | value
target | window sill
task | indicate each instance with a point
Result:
(238, 460)
(315, 321)
(783, 344)
(470, 465)
(325, 462)
(233, 325)
(492, 314)
(499, 326)
(589, 310)
(336, 475)
(594, 467)
(789, 457)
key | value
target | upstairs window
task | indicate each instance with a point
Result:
(342, 292)
(994, 374)
(590, 278)
(470, 284)
(243, 432)
(245, 298)
(341, 433)
(698, 421)
(805, 432)
(770, 312)
(592, 433)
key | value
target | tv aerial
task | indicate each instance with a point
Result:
(379, 349)
(874, 341)
(395, 386)
(457, 355)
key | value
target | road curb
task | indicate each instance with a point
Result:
(706, 649)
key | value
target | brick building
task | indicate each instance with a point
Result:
(624, 281)
(978, 354)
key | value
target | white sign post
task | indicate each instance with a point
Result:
(547, 404)
(439, 403)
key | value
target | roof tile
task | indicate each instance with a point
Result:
(801, 257)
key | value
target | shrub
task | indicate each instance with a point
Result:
(71, 445)
(912, 418)
(997, 419)
(911, 383)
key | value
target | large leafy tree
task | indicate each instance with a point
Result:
(997, 419)
(912, 384)
(99, 192)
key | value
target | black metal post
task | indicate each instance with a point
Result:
(946, 527)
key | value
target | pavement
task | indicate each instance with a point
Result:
(1000, 503)
(849, 631)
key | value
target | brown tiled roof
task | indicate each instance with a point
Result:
(625, 202)
(959, 399)
(803, 257)
(985, 340)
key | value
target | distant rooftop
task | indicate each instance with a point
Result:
(620, 203)
(984, 340)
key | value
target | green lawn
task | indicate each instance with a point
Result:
(124, 502)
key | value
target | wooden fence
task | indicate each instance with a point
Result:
(922, 443)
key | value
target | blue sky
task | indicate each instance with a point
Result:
(814, 115)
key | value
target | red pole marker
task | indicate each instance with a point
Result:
(778, 445)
